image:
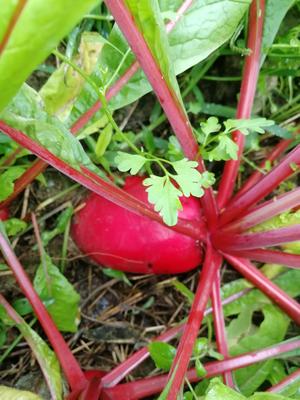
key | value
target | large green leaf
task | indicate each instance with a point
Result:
(53, 287)
(7, 393)
(203, 28)
(39, 28)
(249, 338)
(274, 14)
(26, 112)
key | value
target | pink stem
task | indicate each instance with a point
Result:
(236, 242)
(289, 380)
(166, 96)
(253, 275)
(219, 324)
(212, 263)
(74, 375)
(239, 206)
(150, 386)
(96, 184)
(265, 211)
(117, 374)
(270, 256)
(273, 156)
(248, 88)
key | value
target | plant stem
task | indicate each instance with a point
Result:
(72, 370)
(273, 156)
(240, 205)
(150, 386)
(252, 274)
(265, 211)
(118, 373)
(248, 88)
(219, 324)
(103, 188)
(235, 242)
(270, 256)
(211, 265)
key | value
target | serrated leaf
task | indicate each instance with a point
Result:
(7, 180)
(129, 162)
(162, 354)
(210, 126)
(226, 149)
(52, 285)
(188, 177)
(39, 28)
(165, 197)
(247, 125)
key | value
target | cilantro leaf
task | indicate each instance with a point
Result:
(188, 177)
(226, 149)
(165, 197)
(129, 162)
(245, 126)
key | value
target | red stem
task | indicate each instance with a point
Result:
(166, 96)
(212, 263)
(219, 324)
(150, 386)
(265, 211)
(117, 374)
(253, 275)
(237, 242)
(239, 206)
(100, 186)
(289, 380)
(273, 156)
(74, 375)
(248, 88)
(270, 256)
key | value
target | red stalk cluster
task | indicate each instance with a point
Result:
(233, 220)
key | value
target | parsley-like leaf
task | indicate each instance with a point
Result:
(165, 197)
(129, 162)
(226, 149)
(188, 177)
(245, 126)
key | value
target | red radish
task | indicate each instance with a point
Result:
(117, 238)
(4, 214)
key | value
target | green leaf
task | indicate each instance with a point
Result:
(64, 85)
(162, 354)
(274, 14)
(245, 126)
(13, 226)
(104, 140)
(268, 396)
(26, 112)
(202, 29)
(218, 391)
(44, 355)
(37, 31)
(129, 162)
(8, 393)
(114, 273)
(226, 149)
(271, 331)
(7, 180)
(52, 285)
(165, 197)
(210, 126)
(200, 370)
(188, 177)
